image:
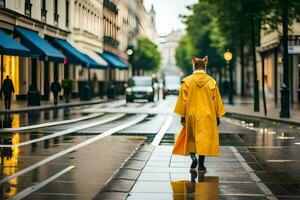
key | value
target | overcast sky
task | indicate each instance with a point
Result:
(167, 14)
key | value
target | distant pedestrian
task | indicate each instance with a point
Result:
(200, 106)
(7, 89)
(55, 89)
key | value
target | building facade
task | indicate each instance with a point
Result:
(81, 40)
(168, 47)
(86, 34)
(271, 59)
(47, 19)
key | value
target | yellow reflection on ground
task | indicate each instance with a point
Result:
(204, 188)
(9, 160)
(16, 121)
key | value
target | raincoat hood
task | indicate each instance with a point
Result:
(200, 79)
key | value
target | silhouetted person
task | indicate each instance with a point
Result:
(7, 89)
(55, 89)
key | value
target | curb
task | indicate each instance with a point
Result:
(274, 119)
(110, 189)
(51, 107)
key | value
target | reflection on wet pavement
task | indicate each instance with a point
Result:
(99, 159)
(36, 117)
(166, 176)
(205, 188)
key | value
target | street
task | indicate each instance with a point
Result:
(79, 159)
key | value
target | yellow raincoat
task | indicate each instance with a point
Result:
(200, 102)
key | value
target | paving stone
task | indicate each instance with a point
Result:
(157, 164)
(142, 156)
(118, 185)
(111, 196)
(150, 196)
(134, 164)
(237, 197)
(154, 177)
(152, 187)
(127, 174)
(239, 188)
(223, 177)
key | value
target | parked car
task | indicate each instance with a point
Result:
(140, 87)
(171, 85)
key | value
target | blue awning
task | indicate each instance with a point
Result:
(74, 56)
(114, 60)
(39, 46)
(8, 46)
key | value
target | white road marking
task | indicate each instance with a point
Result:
(140, 110)
(259, 183)
(156, 141)
(67, 131)
(281, 161)
(73, 148)
(43, 125)
(26, 192)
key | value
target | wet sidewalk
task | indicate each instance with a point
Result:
(245, 107)
(154, 173)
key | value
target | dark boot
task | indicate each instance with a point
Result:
(201, 167)
(193, 176)
(194, 161)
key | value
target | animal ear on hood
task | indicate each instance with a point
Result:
(205, 59)
(194, 59)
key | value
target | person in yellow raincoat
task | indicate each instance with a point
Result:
(200, 106)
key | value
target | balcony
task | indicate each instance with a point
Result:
(111, 6)
(43, 15)
(111, 41)
(2, 3)
(56, 17)
(28, 7)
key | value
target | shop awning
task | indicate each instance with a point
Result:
(73, 55)
(39, 46)
(114, 60)
(8, 46)
(94, 56)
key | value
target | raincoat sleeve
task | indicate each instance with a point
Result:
(220, 111)
(182, 99)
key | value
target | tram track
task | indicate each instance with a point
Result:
(135, 119)
(62, 122)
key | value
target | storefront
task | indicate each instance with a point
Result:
(10, 53)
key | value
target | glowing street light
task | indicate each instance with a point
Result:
(228, 57)
(129, 52)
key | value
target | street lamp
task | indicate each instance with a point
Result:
(228, 57)
(129, 52)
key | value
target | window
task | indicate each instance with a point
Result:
(43, 10)
(2, 3)
(67, 13)
(28, 6)
(56, 16)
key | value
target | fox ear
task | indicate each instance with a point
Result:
(194, 59)
(205, 59)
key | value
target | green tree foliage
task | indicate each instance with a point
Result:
(183, 55)
(147, 56)
(203, 38)
(201, 28)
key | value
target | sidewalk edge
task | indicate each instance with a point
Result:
(275, 119)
